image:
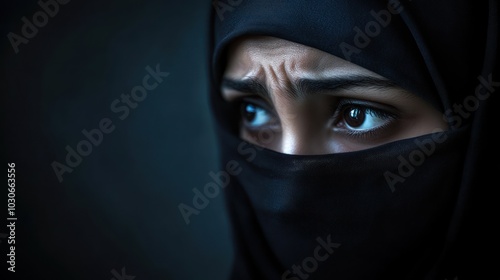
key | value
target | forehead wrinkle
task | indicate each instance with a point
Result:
(281, 83)
(294, 90)
(259, 75)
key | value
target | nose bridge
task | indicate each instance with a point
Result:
(301, 133)
(292, 144)
(301, 143)
(301, 130)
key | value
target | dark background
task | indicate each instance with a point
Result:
(117, 212)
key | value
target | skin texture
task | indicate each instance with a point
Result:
(351, 109)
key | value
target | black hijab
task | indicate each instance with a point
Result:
(410, 209)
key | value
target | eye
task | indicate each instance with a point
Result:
(255, 116)
(357, 118)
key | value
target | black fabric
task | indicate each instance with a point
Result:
(411, 209)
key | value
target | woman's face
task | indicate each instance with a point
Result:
(296, 99)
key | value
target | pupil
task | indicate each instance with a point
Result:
(355, 117)
(249, 112)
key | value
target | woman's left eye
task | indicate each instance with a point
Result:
(361, 118)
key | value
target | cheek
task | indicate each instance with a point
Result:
(268, 138)
(437, 121)
(425, 127)
(428, 120)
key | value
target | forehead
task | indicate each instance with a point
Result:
(251, 55)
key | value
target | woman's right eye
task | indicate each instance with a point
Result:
(255, 116)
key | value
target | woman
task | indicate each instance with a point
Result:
(360, 133)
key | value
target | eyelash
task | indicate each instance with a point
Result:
(368, 108)
(257, 102)
(337, 116)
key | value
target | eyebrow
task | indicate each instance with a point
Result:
(305, 87)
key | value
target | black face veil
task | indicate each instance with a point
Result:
(411, 209)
